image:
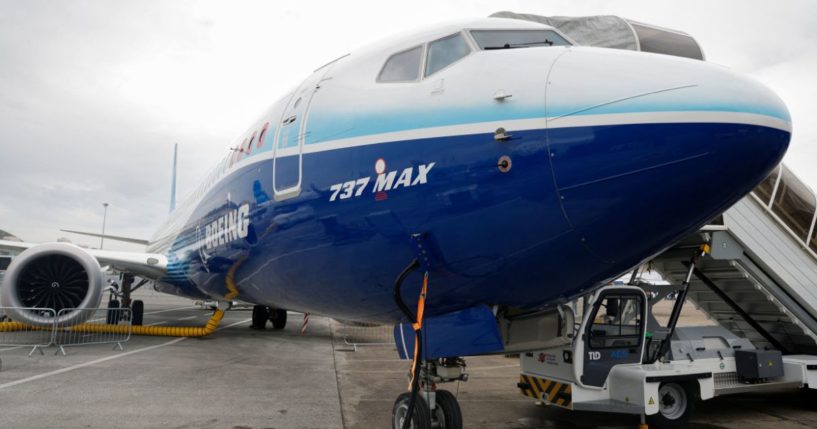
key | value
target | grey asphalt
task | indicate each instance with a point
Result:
(242, 378)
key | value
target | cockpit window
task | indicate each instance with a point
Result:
(445, 51)
(510, 39)
(402, 67)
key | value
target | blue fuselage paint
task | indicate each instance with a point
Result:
(579, 206)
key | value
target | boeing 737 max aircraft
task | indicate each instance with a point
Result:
(517, 169)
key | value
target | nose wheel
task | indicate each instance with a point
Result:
(445, 415)
(421, 415)
(432, 408)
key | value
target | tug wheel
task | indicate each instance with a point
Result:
(421, 417)
(675, 406)
(447, 414)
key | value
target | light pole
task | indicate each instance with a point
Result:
(104, 218)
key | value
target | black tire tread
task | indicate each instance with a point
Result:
(422, 415)
(260, 314)
(112, 317)
(278, 317)
(137, 309)
(451, 409)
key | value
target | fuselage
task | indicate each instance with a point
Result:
(607, 158)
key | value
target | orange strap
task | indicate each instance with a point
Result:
(421, 305)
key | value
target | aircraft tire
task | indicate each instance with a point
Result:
(448, 414)
(137, 309)
(421, 416)
(278, 317)
(112, 316)
(260, 314)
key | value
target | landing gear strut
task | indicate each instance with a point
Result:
(425, 407)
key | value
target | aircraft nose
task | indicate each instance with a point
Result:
(652, 146)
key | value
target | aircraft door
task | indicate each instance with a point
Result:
(289, 139)
(613, 333)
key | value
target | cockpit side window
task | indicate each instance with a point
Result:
(443, 52)
(402, 66)
(510, 39)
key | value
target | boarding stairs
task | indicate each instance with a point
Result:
(760, 279)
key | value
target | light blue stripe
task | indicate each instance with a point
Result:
(325, 125)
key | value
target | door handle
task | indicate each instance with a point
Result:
(289, 120)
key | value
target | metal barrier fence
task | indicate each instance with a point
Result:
(20, 335)
(80, 335)
(360, 334)
(102, 326)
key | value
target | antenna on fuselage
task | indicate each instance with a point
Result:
(173, 179)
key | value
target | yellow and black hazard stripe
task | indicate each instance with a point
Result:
(551, 391)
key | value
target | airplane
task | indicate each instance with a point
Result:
(469, 171)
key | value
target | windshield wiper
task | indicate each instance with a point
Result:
(545, 42)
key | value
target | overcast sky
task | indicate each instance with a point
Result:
(93, 94)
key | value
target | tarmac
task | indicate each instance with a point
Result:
(331, 376)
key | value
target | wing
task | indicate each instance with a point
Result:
(110, 237)
(148, 265)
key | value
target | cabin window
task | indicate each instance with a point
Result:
(444, 52)
(249, 145)
(402, 67)
(261, 136)
(510, 39)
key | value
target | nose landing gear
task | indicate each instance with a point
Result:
(433, 408)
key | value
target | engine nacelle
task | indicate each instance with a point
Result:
(52, 276)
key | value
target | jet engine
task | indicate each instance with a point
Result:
(52, 276)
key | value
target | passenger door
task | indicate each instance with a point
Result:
(290, 136)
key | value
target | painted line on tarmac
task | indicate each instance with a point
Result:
(5, 349)
(171, 309)
(105, 359)
(188, 317)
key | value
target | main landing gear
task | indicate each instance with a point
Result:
(137, 307)
(261, 314)
(432, 408)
